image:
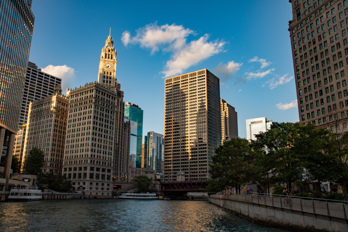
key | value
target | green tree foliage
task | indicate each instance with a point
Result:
(287, 153)
(143, 183)
(15, 165)
(277, 154)
(233, 165)
(34, 162)
(317, 149)
(342, 176)
(54, 182)
(215, 186)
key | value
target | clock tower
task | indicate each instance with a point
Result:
(107, 64)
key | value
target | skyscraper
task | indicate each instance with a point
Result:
(90, 139)
(107, 77)
(38, 85)
(192, 125)
(135, 114)
(257, 125)
(107, 64)
(229, 124)
(18, 147)
(17, 24)
(153, 152)
(46, 129)
(96, 131)
(319, 42)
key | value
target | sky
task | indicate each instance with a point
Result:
(244, 43)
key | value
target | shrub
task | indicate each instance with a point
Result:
(334, 196)
(302, 194)
(278, 189)
(317, 194)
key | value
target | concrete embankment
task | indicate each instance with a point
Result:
(293, 213)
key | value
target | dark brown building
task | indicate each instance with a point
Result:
(319, 41)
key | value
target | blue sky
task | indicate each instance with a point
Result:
(245, 43)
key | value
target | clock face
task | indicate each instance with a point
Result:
(108, 65)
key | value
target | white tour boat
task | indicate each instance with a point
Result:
(142, 196)
(25, 195)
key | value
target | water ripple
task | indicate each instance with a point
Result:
(122, 215)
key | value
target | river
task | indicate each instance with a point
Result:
(121, 215)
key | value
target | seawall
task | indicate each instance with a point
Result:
(293, 213)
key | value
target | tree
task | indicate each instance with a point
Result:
(233, 165)
(342, 176)
(55, 182)
(35, 161)
(318, 151)
(143, 183)
(15, 164)
(278, 157)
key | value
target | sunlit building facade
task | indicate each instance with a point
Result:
(16, 26)
(38, 85)
(107, 78)
(229, 123)
(90, 139)
(192, 125)
(135, 114)
(319, 42)
(18, 147)
(46, 130)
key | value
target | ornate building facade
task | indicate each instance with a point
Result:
(46, 129)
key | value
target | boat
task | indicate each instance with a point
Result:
(25, 195)
(141, 196)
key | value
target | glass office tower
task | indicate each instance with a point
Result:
(135, 114)
(153, 154)
(16, 26)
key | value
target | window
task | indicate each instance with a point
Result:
(330, 32)
(298, 12)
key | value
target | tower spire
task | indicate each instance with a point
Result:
(110, 32)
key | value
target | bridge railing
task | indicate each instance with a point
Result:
(317, 206)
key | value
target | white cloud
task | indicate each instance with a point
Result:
(153, 36)
(252, 75)
(263, 62)
(287, 106)
(273, 83)
(227, 71)
(173, 39)
(125, 38)
(191, 54)
(67, 74)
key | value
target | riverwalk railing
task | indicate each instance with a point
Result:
(318, 206)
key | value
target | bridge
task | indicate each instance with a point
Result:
(184, 186)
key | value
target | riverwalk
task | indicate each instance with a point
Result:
(297, 213)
